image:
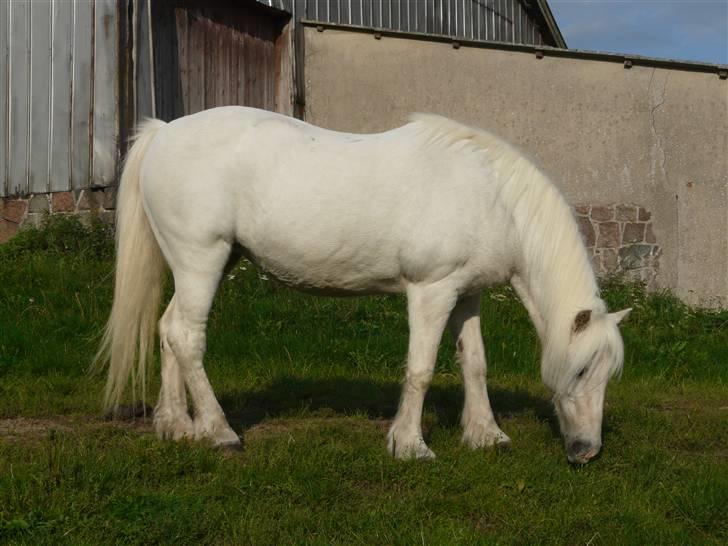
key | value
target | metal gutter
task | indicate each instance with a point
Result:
(538, 50)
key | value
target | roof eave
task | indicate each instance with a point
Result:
(551, 25)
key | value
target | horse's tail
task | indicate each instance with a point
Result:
(129, 333)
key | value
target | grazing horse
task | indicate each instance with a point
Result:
(433, 209)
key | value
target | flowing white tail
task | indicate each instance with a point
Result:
(129, 333)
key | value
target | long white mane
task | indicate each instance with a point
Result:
(555, 264)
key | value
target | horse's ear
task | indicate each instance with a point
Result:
(619, 316)
(582, 320)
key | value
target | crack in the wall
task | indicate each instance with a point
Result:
(656, 136)
(658, 155)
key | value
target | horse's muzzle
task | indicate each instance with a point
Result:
(580, 452)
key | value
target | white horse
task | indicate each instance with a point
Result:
(434, 209)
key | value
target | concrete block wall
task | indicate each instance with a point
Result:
(614, 137)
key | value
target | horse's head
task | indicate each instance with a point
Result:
(595, 353)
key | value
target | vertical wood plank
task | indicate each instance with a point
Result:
(20, 40)
(208, 76)
(248, 60)
(197, 66)
(284, 75)
(176, 95)
(223, 59)
(143, 62)
(162, 28)
(106, 91)
(83, 83)
(4, 93)
(234, 64)
(168, 92)
(183, 58)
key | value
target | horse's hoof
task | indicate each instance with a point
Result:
(485, 435)
(230, 447)
(417, 450)
(504, 446)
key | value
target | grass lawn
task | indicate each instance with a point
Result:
(311, 384)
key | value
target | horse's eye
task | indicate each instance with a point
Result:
(581, 373)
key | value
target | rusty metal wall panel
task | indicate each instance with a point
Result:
(208, 55)
(4, 95)
(40, 95)
(19, 84)
(62, 68)
(105, 97)
(82, 93)
(58, 91)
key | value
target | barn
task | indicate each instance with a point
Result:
(637, 144)
(75, 76)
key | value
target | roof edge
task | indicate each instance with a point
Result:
(539, 50)
(551, 24)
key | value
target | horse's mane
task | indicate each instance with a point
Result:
(555, 264)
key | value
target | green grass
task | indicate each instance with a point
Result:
(311, 384)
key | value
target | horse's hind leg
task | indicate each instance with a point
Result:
(479, 426)
(428, 310)
(196, 282)
(171, 419)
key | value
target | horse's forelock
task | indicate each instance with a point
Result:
(562, 361)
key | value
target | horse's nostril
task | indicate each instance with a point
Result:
(578, 447)
(581, 452)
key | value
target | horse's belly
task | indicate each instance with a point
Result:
(332, 266)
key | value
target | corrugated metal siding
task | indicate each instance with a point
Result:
(58, 95)
(60, 115)
(494, 20)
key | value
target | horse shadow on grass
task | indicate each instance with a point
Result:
(376, 399)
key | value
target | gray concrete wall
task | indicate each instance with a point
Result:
(653, 137)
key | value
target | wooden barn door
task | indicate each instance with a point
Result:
(219, 53)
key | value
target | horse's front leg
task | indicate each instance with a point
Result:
(428, 309)
(479, 426)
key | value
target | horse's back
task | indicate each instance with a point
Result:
(319, 207)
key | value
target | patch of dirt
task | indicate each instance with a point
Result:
(23, 426)
(281, 426)
(27, 428)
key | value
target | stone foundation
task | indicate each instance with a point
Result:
(32, 210)
(620, 240)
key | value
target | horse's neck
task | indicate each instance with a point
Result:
(554, 272)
